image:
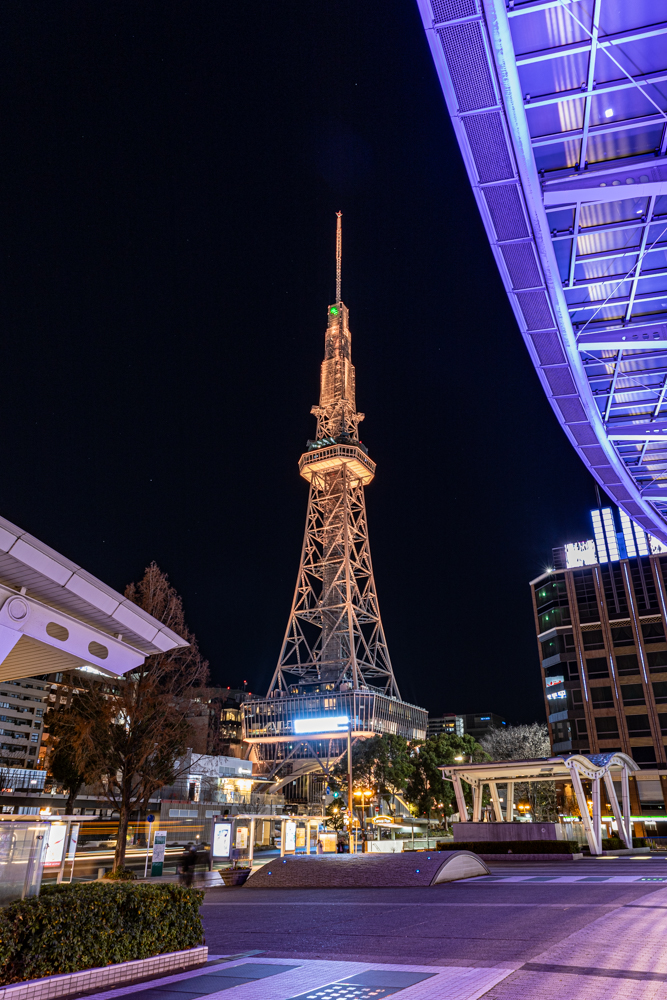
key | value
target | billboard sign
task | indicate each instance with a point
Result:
(222, 839)
(55, 847)
(290, 835)
(323, 724)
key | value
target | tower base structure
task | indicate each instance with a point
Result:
(270, 726)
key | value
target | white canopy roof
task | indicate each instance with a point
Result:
(54, 615)
(541, 768)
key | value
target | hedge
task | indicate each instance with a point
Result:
(72, 927)
(512, 846)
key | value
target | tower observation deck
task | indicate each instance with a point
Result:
(334, 661)
(560, 111)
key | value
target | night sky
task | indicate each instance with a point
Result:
(169, 177)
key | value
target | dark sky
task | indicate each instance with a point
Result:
(169, 177)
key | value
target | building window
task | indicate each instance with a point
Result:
(622, 636)
(587, 601)
(643, 584)
(638, 725)
(662, 719)
(660, 692)
(602, 697)
(657, 660)
(593, 639)
(654, 632)
(628, 664)
(557, 644)
(614, 591)
(633, 694)
(607, 727)
(597, 666)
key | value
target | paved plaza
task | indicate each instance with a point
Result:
(590, 929)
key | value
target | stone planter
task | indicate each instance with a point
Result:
(109, 977)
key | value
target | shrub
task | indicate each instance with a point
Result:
(69, 928)
(511, 846)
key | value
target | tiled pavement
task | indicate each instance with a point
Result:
(303, 979)
(621, 955)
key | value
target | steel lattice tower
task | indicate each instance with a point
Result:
(334, 638)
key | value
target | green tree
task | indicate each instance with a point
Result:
(382, 763)
(129, 738)
(427, 790)
(335, 813)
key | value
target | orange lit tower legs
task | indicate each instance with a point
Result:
(334, 639)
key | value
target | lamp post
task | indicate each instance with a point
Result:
(350, 797)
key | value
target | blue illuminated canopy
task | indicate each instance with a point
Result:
(560, 111)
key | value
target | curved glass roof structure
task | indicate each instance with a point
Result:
(560, 110)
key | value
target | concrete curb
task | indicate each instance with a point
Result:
(107, 977)
(530, 857)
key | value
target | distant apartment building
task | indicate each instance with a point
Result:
(601, 617)
(460, 725)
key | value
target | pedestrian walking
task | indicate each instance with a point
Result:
(187, 865)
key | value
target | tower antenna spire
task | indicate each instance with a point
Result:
(339, 252)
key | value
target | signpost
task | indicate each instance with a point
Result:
(159, 844)
(71, 850)
(151, 820)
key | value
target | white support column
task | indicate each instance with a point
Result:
(597, 812)
(623, 831)
(460, 798)
(625, 794)
(477, 802)
(509, 805)
(583, 809)
(251, 846)
(497, 810)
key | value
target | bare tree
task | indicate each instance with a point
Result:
(525, 743)
(129, 738)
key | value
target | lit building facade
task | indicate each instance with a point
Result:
(473, 725)
(601, 619)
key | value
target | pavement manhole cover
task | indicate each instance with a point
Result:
(346, 991)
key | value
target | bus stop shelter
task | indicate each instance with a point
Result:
(596, 768)
(29, 845)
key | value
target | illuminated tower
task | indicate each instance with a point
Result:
(334, 636)
(334, 657)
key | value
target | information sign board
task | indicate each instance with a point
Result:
(290, 835)
(159, 845)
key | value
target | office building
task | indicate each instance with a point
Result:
(476, 726)
(600, 615)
